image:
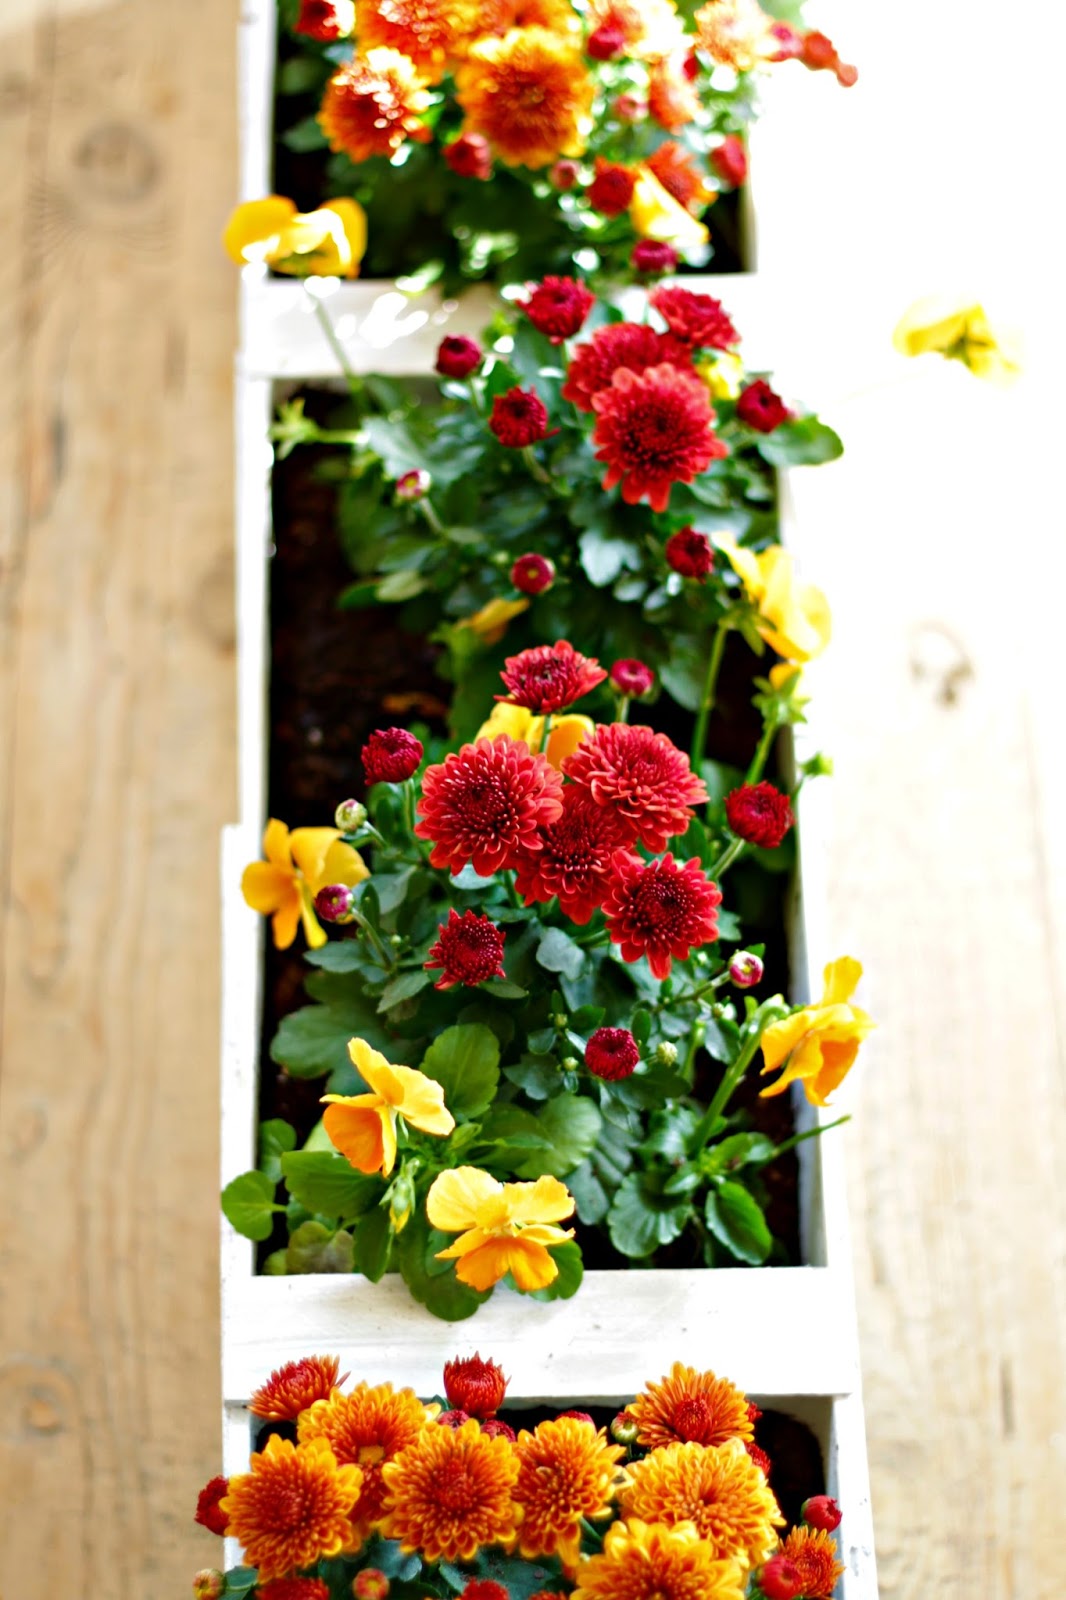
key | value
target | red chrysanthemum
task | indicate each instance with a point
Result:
(498, 1430)
(484, 1589)
(486, 804)
(293, 1589)
(533, 573)
(325, 20)
(391, 755)
(730, 160)
(612, 1054)
(207, 1513)
(759, 814)
(758, 1455)
(654, 429)
(822, 1511)
(294, 1387)
(624, 346)
(632, 678)
(549, 677)
(373, 105)
(574, 859)
(519, 418)
(699, 319)
(641, 777)
(558, 307)
(653, 258)
(780, 1579)
(475, 1386)
(469, 950)
(611, 189)
(677, 171)
(761, 407)
(458, 356)
(470, 156)
(690, 553)
(660, 910)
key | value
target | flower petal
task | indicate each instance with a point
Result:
(655, 214)
(547, 1200)
(421, 1101)
(358, 1132)
(453, 1200)
(267, 888)
(566, 734)
(486, 1265)
(377, 1073)
(781, 1038)
(343, 864)
(310, 847)
(841, 979)
(353, 221)
(531, 1265)
(252, 231)
(276, 845)
(745, 564)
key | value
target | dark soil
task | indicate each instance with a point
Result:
(334, 678)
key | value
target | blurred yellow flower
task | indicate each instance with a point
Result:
(517, 722)
(490, 623)
(793, 617)
(724, 376)
(503, 1227)
(818, 1045)
(959, 330)
(329, 242)
(655, 214)
(363, 1126)
(297, 865)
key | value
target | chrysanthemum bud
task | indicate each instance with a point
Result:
(209, 1584)
(666, 1054)
(458, 356)
(570, 1063)
(606, 42)
(780, 1579)
(624, 1428)
(821, 1511)
(629, 107)
(652, 258)
(577, 1416)
(454, 1419)
(745, 969)
(336, 903)
(612, 1054)
(350, 816)
(632, 678)
(391, 755)
(533, 574)
(495, 1429)
(759, 813)
(470, 156)
(413, 485)
(207, 1512)
(475, 1386)
(370, 1584)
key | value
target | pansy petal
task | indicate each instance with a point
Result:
(353, 221)
(286, 920)
(544, 1233)
(453, 1201)
(655, 214)
(421, 1101)
(780, 1038)
(841, 979)
(265, 887)
(566, 734)
(532, 1267)
(472, 1239)
(357, 1132)
(342, 864)
(253, 227)
(276, 845)
(375, 1071)
(745, 564)
(310, 846)
(487, 1265)
(387, 1118)
(517, 722)
(837, 1061)
(547, 1200)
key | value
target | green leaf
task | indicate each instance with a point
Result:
(465, 1060)
(570, 1124)
(641, 1218)
(240, 1581)
(248, 1203)
(604, 556)
(373, 1244)
(803, 442)
(403, 987)
(440, 1292)
(313, 1041)
(304, 135)
(315, 1248)
(537, 1075)
(275, 1138)
(392, 888)
(329, 1184)
(589, 1193)
(640, 1027)
(340, 955)
(504, 989)
(567, 1258)
(557, 952)
(735, 1218)
(739, 1150)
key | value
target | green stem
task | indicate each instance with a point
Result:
(593, 1532)
(623, 709)
(426, 508)
(537, 471)
(600, 938)
(696, 1038)
(811, 1133)
(351, 377)
(710, 684)
(726, 859)
(724, 1092)
(384, 955)
(759, 759)
(512, 889)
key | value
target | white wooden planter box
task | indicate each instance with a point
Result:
(787, 1336)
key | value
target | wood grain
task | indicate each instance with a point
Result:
(116, 731)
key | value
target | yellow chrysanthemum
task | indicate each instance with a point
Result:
(448, 1494)
(566, 1471)
(655, 214)
(490, 623)
(518, 722)
(958, 329)
(503, 1227)
(718, 1488)
(793, 617)
(367, 1428)
(329, 242)
(818, 1044)
(651, 29)
(294, 1507)
(373, 105)
(813, 1553)
(363, 1126)
(642, 1562)
(297, 866)
(735, 33)
(690, 1407)
(529, 93)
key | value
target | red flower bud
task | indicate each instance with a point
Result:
(485, 1589)
(391, 755)
(745, 969)
(475, 1386)
(533, 574)
(209, 1584)
(690, 553)
(470, 156)
(498, 1430)
(612, 1054)
(371, 1584)
(458, 356)
(453, 1419)
(759, 814)
(632, 678)
(780, 1579)
(565, 175)
(624, 1428)
(629, 107)
(761, 408)
(653, 259)
(730, 161)
(821, 1511)
(558, 307)
(335, 903)
(413, 485)
(207, 1513)
(611, 189)
(519, 418)
(578, 1416)
(606, 43)
(325, 20)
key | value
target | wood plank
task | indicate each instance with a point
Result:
(116, 670)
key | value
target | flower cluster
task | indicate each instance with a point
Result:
(670, 1500)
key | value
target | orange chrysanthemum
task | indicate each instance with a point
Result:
(677, 171)
(373, 104)
(735, 33)
(716, 1487)
(566, 1471)
(367, 1428)
(813, 1552)
(294, 1387)
(672, 98)
(293, 1508)
(529, 94)
(448, 1494)
(690, 1407)
(639, 1562)
(650, 29)
(426, 31)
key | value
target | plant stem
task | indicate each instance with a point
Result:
(534, 465)
(811, 1133)
(726, 859)
(623, 709)
(603, 936)
(351, 377)
(696, 1038)
(426, 508)
(710, 684)
(593, 1532)
(384, 955)
(759, 759)
(725, 1089)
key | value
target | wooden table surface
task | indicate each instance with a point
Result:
(938, 540)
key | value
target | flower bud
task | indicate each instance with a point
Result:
(370, 1584)
(606, 43)
(780, 1579)
(570, 1063)
(666, 1054)
(560, 1019)
(470, 156)
(350, 816)
(325, 20)
(476, 1386)
(821, 1511)
(624, 1428)
(653, 258)
(336, 903)
(632, 678)
(629, 107)
(391, 755)
(458, 356)
(745, 969)
(413, 485)
(209, 1584)
(454, 1419)
(401, 1201)
(533, 574)
(495, 1429)
(690, 553)
(565, 175)
(578, 1416)
(612, 1054)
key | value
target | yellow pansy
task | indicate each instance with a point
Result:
(517, 722)
(793, 617)
(329, 242)
(363, 1126)
(724, 376)
(490, 623)
(503, 1227)
(958, 329)
(297, 866)
(818, 1045)
(655, 214)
